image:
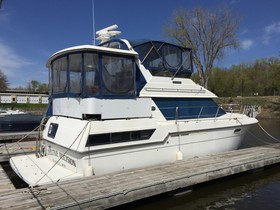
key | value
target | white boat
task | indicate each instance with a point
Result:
(124, 105)
(16, 120)
(4, 112)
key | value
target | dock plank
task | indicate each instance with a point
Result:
(5, 182)
(101, 192)
(7, 150)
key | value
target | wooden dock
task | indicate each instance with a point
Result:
(6, 137)
(101, 192)
(17, 148)
(5, 182)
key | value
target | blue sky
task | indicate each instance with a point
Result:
(32, 30)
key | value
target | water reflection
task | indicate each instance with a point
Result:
(251, 192)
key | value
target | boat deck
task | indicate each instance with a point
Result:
(101, 192)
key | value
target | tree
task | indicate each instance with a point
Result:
(43, 87)
(208, 33)
(246, 79)
(33, 85)
(3, 82)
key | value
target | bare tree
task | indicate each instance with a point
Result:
(207, 32)
(3, 82)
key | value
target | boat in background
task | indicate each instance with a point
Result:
(126, 104)
(16, 120)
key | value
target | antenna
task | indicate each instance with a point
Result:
(93, 22)
(106, 33)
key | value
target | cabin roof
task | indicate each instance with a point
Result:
(81, 48)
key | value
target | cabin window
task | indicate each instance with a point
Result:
(165, 60)
(118, 137)
(59, 75)
(188, 108)
(87, 74)
(172, 56)
(117, 75)
(91, 73)
(75, 73)
(52, 130)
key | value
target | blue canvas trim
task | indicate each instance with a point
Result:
(188, 108)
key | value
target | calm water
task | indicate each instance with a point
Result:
(260, 190)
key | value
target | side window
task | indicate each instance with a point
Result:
(75, 73)
(91, 73)
(118, 75)
(59, 75)
(172, 56)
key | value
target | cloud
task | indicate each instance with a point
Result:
(11, 64)
(270, 31)
(246, 44)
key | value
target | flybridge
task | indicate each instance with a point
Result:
(160, 58)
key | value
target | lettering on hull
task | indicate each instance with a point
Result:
(61, 156)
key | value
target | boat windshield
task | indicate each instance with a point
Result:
(160, 58)
(164, 59)
(95, 74)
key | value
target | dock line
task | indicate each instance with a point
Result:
(268, 133)
(46, 174)
(12, 144)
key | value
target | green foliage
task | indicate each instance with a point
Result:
(3, 81)
(25, 107)
(35, 86)
(247, 79)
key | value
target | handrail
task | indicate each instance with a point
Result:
(199, 113)
(217, 112)
(191, 112)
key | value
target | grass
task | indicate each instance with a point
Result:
(25, 107)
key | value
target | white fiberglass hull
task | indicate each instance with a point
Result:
(170, 142)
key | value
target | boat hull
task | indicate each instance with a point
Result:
(170, 142)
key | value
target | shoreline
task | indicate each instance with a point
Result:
(270, 105)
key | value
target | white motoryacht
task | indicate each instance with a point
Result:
(123, 105)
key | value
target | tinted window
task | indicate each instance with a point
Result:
(117, 75)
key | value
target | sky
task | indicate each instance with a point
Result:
(32, 30)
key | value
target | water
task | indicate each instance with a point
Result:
(259, 190)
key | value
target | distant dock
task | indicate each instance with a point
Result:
(6, 137)
(102, 192)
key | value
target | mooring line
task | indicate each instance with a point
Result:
(257, 138)
(268, 133)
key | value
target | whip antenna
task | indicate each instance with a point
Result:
(93, 22)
